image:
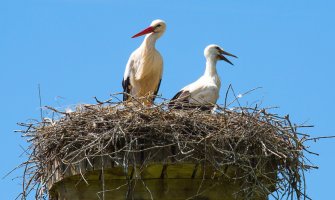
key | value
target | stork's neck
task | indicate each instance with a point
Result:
(210, 67)
(149, 41)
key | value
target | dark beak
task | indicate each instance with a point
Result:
(222, 57)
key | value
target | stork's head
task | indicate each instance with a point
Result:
(157, 27)
(214, 51)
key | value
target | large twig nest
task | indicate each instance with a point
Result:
(246, 138)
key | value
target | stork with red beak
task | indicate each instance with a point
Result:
(204, 92)
(144, 69)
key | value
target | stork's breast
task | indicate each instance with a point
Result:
(151, 65)
(148, 82)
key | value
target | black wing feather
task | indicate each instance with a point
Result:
(181, 101)
(175, 97)
(155, 93)
(126, 88)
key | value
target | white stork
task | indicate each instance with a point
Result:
(144, 69)
(204, 92)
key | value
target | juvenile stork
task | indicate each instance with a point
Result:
(144, 69)
(204, 92)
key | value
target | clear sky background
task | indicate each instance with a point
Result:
(77, 49)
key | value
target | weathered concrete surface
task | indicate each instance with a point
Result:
(155, 181)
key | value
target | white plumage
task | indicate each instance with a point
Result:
(144, 69)
(205, 91)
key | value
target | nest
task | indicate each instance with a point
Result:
(242, 137)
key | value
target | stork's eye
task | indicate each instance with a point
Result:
(158, 25)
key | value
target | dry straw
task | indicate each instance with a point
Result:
(243, 137)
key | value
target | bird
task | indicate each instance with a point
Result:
(204, 92)
(144, 69)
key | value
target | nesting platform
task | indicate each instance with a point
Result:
(101, 178)
(114, 151)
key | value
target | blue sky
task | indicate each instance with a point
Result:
(77, 49)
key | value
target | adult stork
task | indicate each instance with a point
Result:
(204, 92)
(144, 69)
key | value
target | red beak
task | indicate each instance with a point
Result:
(145, 31)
